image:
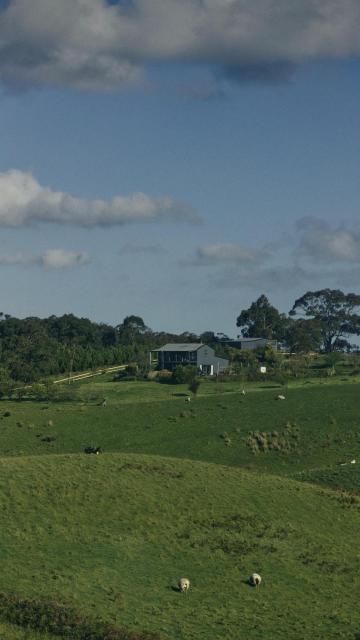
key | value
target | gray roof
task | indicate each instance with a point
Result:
(189, 346)
(241, 339)
(253, 339)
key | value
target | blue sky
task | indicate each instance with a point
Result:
(148, 169)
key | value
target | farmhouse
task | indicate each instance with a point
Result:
(195, 353)
(251, 343)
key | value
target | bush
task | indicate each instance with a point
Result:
(194, 386)
(184, 374)
(165, 377)
(61, 620)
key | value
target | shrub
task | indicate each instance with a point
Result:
(61, 620)
(194, 386)
(165, 377)
(184, 374)
(285, 441)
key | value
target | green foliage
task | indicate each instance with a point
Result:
(334, 312)
(286, 440)
(33, 349)
(62, 620)
(184, 374)
(303, 336)
(262, 320)
(194, 386)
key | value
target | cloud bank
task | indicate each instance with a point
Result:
(320, 242)
(50, 259)
(318, 252)
(100, 45)
(228, 253)
(23, 201)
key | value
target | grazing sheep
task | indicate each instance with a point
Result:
(342, 464)
(188, 399)
(184, 585)
(255, 580)
(280, 397)
(95, 450)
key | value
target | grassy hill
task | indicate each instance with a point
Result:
(113, 533)
(212, 490)
(315, 427)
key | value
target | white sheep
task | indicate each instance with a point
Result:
(255, 580)
(243, 392)
(188, 399)
(280, 397)
(184, 585)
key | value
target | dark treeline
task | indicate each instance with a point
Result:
(32, 348)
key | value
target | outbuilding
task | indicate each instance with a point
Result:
(251, 343)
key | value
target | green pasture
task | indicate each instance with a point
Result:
(212, 490)
(316, 426)
(113, 533)
(13, 632)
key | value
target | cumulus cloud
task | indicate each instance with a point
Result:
(61, 259)
(229, 253)
(320, 242)
(23, 201)
(50, 259)
(97, 44)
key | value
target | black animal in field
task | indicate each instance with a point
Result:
(94, 450)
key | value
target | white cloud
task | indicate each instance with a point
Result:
(61, 259)
(50, 259)
(320, 242)
(90, 44)
(223, 253)
(23, 201)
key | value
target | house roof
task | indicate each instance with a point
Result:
(188, 346)
(241, 339)
(254, 339)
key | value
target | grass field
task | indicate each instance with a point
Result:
(212, 490)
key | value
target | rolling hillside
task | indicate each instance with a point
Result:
(113, 533)
(213, 491)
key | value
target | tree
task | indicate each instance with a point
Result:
(194, 386)
(303, 336)
(208, 337)
(335, 313)
(262, 320)
(184, 374)
(133, 330)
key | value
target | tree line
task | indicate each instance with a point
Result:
(32, 349)
(321, 320)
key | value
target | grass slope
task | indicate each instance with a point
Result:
(12, 632)
(315, 427)
(113, 533)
